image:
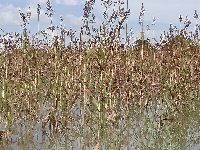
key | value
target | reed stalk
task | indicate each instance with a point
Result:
(102, 75)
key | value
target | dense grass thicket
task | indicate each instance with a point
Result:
(100, 76)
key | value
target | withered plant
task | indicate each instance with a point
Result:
(86, 83)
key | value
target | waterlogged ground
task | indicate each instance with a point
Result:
(129, 127)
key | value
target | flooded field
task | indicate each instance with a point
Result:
(99, 93)
(155, 127)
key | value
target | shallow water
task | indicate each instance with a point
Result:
(133, 128)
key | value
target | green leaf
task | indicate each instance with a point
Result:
(89, 53)
(41, 32)
(95, 102)
(102, 55)
(9, 116)
(29, 58)
(24, 45)
(93, 119)
(96, 120)
(104, 28)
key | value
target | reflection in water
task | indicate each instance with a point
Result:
(128, 128)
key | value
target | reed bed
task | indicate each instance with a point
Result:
(96, 78)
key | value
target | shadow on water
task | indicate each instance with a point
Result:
(128, 127)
